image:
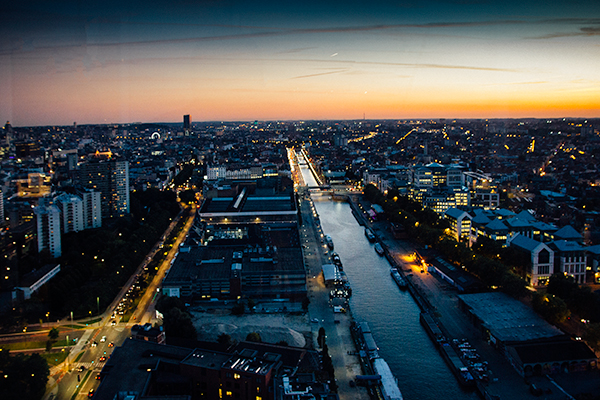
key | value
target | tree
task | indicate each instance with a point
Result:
(592, 336)
(551, 307)
(254, 337)
(305, 303)
(514, 286)
(53, 334)
(224, 340)
(166, 303)
(25, 377)
(321, 337)
(187, 196)
(178, 323)
(238, 309)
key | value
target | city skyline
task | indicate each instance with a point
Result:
(228, 60)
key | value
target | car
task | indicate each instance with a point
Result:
(102, 359)
(94, 344)
(103, 339)
(91, 393)
(314, 320)
(111, 344)
(98, 376)
(113, 322)
(81, 368)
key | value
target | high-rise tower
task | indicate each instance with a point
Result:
(48, 228)
(111, 179)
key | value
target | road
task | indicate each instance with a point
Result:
(77, 376)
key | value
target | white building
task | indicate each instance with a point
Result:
(48, 229)
(460, 223)
(541, 261)
(216, 172)
(71, 210)
(120, 188)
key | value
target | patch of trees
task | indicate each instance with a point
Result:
(177, 321)
(254, 337)
(183, 175)
(426, 227)
(581, 302)
(52, 337)
(23, 377)
(580, 299)
(187, 196)
(97, 262)
(552, 308)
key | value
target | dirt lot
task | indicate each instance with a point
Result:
(273, 328)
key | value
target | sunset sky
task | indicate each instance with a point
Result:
(124, 61)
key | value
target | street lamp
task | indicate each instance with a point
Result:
(67, 360)
(98, 304)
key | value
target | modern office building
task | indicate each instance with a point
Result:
(111, 179)
(187, 122)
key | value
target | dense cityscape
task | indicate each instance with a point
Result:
(247, 259)
(314, 200)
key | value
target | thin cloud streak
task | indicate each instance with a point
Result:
(585, 31)
(274, 31)
(319, 74)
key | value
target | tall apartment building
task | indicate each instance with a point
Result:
(111, 179)
(71, 210)
(187, 122)
(92, 209)
(1, 207)
(48, 228)
(79, 211)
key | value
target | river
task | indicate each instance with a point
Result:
(392, 314)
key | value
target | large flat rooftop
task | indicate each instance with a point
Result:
(507, 319)
(245, 204)
(206, 262)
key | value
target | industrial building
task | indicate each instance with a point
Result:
(532, 345)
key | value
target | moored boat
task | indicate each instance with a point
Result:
(370, 235)
(378, 249)
(400, 281)
(329, 241)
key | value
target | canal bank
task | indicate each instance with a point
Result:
(392, 314)
(338, 338)
(504, 381)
